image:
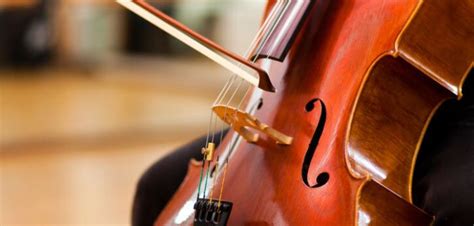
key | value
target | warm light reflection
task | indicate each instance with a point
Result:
(364, 218)
(185, 212)
(364, 162)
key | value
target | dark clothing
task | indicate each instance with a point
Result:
(443, 184)
(161, 180)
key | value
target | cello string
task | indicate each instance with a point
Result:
(212, 116)
(231, 80)
(248, 51)
(272, 29)
(222, 93)
(213, 177)
(260, 33)
(236, 139)
(228, 85)
(268, 55)
(243, 97)
(225, 111)
(255, 58)
(279, 17)
(222, 185)
(207, 176)
(265, 38)
(225, 90)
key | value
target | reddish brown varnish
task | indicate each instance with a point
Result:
(382, 67)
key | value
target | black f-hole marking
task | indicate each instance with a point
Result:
(322, 178)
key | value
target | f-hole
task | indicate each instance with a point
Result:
(323, 177)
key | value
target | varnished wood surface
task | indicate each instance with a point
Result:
(264, 180)
(400, 95)
(341, 63)
(380, 206)
(392, 112)
(440, 42)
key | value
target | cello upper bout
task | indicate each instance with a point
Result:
(439, 41)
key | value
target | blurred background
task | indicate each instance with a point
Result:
(91, 95)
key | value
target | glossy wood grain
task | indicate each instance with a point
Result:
(401, 94)
(395, 104)
(379, 206)
(377, 107)
(288, 19)
(440, 41)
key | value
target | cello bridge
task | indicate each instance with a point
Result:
(241, 121)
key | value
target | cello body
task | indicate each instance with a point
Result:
(356, 92)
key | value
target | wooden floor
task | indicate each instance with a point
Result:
(73, 184)
(74, 142)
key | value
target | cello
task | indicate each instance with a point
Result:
(329, 132)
